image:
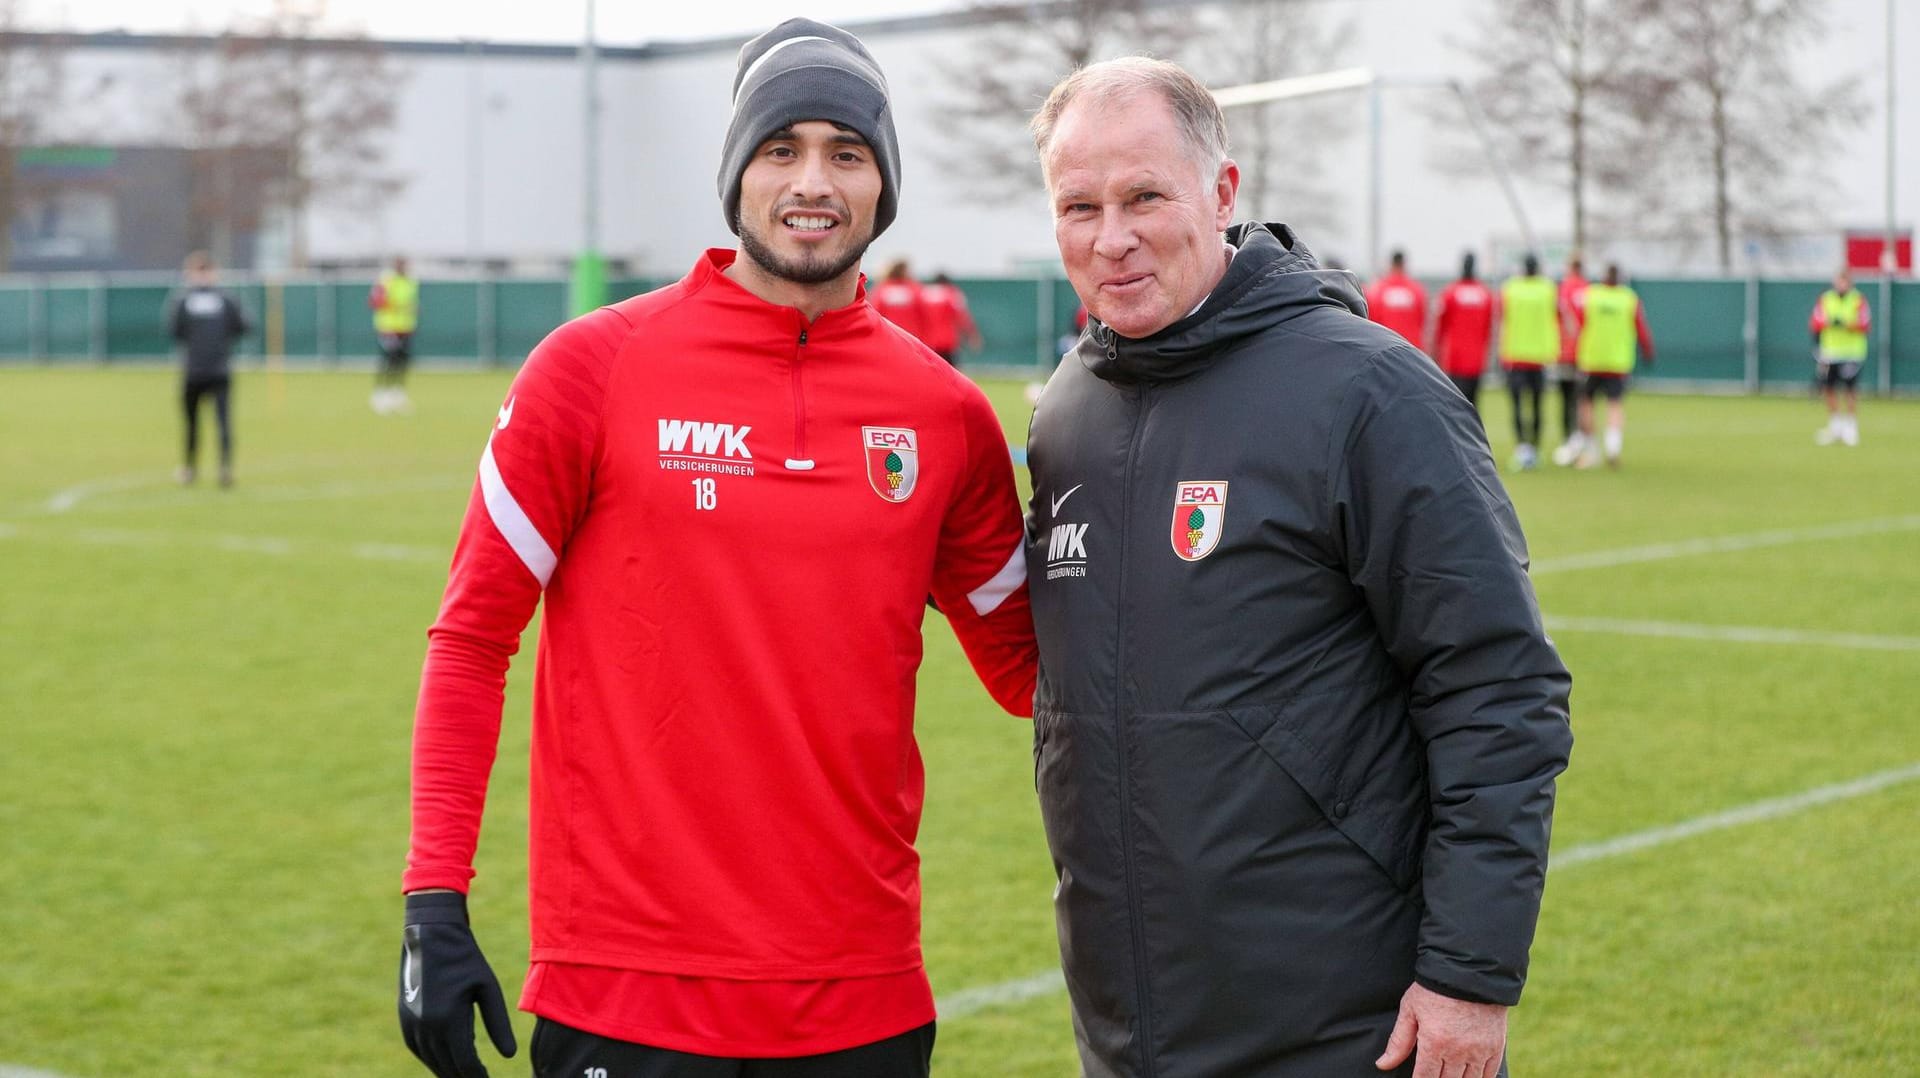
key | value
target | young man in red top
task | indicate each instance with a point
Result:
(1399, 302)
(898, 298)
(1462, 330)
(948, 321)
(1573, 306)
(735, 496)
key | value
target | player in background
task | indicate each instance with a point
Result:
(395, 300)
(1573, 300)
(948, 320)
(1529, 342)
(1399, 302)
(1462, 329)
(205, 322)
(1613, 322)
(735, 496)
(898, 298)
(1839, 324)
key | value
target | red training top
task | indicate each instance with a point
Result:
(1573, 314)
(945, 317)
(902, 303)
(1399, 303)
(736, 518)
(1463, 328)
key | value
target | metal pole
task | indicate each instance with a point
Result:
(483, 304)
(1374, 180)
(37, 319)
(476, 166)
(1043, 348)
(97, 319)
(1889, 250)
(590, 61)
(1750, 324)
(326, 315)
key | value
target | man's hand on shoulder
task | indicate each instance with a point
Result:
(443, 977)
(1454, 1038)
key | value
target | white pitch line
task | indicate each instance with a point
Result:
(8, 1070)
(973, 1000)
(268, 545)
(1770, 809)
(1607, 559)
(1739, 634)
(65, 499)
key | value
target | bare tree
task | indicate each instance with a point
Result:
(321, 103)
(1002, 77)
(1747, 135)
(232, 166)
(32, 78)
(1570, 96)
(1250, 41)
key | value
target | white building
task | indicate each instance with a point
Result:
(490, 140)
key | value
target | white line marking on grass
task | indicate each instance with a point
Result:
(974, 1000)
(1607, 559)
(64, 500)
(269, 545)
(1739, 634)
(8, 1070)
(1770, 809)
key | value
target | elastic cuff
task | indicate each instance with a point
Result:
(1455, 992)
(437, 908)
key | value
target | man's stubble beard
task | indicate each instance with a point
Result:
(806, 270)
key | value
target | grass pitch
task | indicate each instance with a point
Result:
(205, 704)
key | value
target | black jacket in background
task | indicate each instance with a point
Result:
(1283, 780)
(206, 322)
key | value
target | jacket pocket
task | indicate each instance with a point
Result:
(1351, 750)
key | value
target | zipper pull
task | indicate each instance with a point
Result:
(803, 338)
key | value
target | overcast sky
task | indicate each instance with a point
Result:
(621, 22)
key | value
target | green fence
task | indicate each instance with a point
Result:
(1721, 334)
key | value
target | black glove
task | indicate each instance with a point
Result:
(443, 976)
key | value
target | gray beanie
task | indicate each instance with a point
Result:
(804, 70)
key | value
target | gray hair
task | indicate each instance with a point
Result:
(1203, 128)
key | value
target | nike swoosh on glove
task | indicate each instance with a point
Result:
(443, 977)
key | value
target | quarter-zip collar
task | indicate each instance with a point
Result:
(709, 276)
(1271, 279)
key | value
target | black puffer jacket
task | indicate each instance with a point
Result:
(1298, 721)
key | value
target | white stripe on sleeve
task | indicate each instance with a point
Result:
(987, 597)
(512, 522)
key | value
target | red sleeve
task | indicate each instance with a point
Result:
(1640, 328)
(1866, 316)
(1818, 320)
(1441, 316)
(535, 475)
(963, 314)
(980, 571)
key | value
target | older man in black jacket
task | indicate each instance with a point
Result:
(1298, 721)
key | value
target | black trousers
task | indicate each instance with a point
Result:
(1524, 385)
(1569, 405)
(1468, 385)
(396, 351)
(192, 392)
(561, 1051)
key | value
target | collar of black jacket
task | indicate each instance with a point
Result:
(1273, 278)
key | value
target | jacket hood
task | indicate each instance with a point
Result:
(1273, 278)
